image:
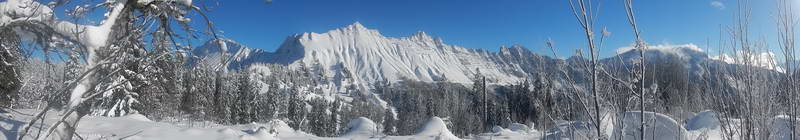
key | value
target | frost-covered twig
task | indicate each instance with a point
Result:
(641, 47)
(786, 23)
(583, 12)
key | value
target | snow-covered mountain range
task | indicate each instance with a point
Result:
(366, 56)
(356, 55)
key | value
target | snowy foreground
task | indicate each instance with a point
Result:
(704, 125)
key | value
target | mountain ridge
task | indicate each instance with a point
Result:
(355, 55)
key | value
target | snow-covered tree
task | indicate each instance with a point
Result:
(786, 24)
(9, 67)
(318, 118)
(296, 111)
(244, 108)
(336, 126)
(389, 122)
(123, 28)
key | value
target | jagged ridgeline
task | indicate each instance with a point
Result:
(358, 58)
(367, 57)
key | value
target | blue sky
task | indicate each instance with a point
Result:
(486, 24)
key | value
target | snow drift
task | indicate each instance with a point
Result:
(782, 128)
(517, 127)
(360, 127)
(565, 130)
(436, 128)
(703, 120)
(657, 127)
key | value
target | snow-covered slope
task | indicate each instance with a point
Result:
(242, 55)
(666, 127)
(435, 127)
(138, 127)
(370, 56)
(356, 55)
(361, 128)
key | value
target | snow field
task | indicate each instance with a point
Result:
(704, 125)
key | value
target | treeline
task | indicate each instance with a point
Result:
(303, 98)
(261, 93)
(474, 109)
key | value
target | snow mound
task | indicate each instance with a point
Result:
(657, 126)
(706, 119)
(781, 128)
(683, 115)
(517, 127)
(437, 129)
(283, 129)
(98, 127)
(508, 134)
(138, 117)
(262, 133)
(570, 130)
(360, 127)
(229, 131)
(498, 129)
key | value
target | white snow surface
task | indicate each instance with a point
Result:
(703, 120)
(138, 127)
(517, 127)
(657, 127)
(361, 128)
(566, 130)
(435, 128)
(781, 128)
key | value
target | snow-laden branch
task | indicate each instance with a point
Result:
(90, 36)
(19, 14)
(183, 2)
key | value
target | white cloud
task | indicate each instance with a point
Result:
(718, 4)
(765, 60)
(622, 50)
(663, 47)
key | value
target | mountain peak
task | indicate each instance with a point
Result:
(209, 52)
(421, 35)
(212, 46)
(513, 49)
(356, 28)
(356, 25)
(517, 47)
